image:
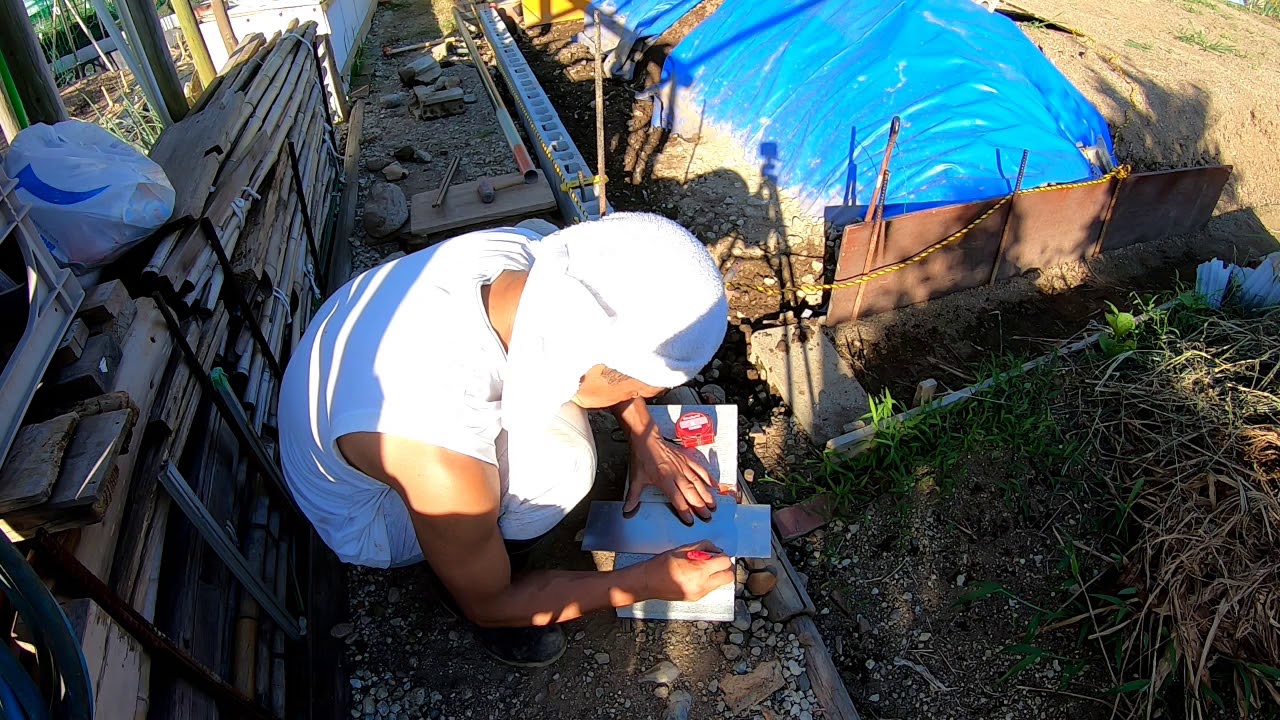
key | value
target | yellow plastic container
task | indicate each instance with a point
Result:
(542, 12)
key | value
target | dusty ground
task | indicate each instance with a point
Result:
(885, 578)
(1181, 82)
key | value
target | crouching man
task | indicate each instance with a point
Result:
(435, 409)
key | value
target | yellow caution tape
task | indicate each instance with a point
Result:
(596, 180)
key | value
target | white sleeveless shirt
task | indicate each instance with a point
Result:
(404, 349)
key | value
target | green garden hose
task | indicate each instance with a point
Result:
(11, 92)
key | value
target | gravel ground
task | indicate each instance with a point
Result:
(884, 581)
(407, 656)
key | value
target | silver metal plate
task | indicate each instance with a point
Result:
(738, 530)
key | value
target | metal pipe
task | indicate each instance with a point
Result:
(148, 41)
(444, 184)
(131, 59)
(74, 13)
(68, 569)
(523, 161)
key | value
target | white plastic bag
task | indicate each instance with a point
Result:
(92, 196)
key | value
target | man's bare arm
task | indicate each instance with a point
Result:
(453, 501)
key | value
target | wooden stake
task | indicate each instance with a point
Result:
(339, 265)
(223, 21)
(9, 125)
(191, 32)
(924, 392)
(600, 176)
(32, 78)
(336, 81)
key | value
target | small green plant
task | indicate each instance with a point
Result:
(1270, 8)
(1144, 47)
(357, 65)
(1119, 338)
(1201, 39)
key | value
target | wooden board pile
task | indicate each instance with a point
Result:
(255, 169)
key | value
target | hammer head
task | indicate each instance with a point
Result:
(486, 190)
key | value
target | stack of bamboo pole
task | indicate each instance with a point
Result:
(269, 98)
(254, 169)
(234, 160)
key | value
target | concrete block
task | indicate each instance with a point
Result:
(802, 366)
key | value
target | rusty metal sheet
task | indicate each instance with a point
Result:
(1157, 205)
(1054, 227)
(1046, 228)
(957, 267)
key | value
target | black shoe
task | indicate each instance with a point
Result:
(531, 647)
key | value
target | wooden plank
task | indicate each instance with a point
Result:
(112, 656)
(824, 677)
(147, 347)
(86, 480)
(89, 376)
(789, 597)
(72, 345)
(90, 460)
(320, 679)
(462, 206)
(191, 152)
(193, 607)
(31, 468)
(182, 495)
(338, 268)
(1163, 204)
(104, 303)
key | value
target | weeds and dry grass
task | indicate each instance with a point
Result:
(1183, 436)
(1168, 437)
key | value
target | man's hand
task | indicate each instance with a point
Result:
(671, 469)
(673, 576)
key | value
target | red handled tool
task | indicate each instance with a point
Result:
(699, 555)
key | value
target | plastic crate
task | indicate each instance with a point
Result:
(38, 301)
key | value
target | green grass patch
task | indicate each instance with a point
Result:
(931, 450)
(1270, 8)
(1201, 39)
(1144, 47)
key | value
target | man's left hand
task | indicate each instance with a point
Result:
(681, 477)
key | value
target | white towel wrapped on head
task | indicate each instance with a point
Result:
(635, 292)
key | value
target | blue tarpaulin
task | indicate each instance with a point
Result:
(813, 86)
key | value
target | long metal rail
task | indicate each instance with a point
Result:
(571, 178)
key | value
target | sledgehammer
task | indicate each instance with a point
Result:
(488, 189)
